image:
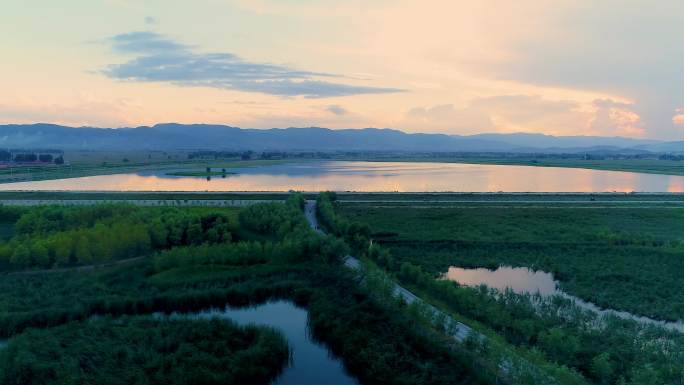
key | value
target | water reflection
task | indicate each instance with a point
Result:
(312, 363)
(525, 281)
(376, 177)
(520, 280)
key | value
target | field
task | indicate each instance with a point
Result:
(190, 259)
(617, 257)
(414, 245)
(68, 273)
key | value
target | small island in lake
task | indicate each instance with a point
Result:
(202, 173)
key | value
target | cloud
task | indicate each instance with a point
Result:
(530, 113)
(501, 113)
(611, 118)
(149, 20)
(337, 110)
(523, 109)
(162, 59)
(609, 47)
(147, 43)
(447, 118)
(609, 103)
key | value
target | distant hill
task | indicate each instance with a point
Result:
(173, 136)
(549, 141)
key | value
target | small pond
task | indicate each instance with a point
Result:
(520, 280)
(526, 281)
(311, 364)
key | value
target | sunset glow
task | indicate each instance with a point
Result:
(459, 67)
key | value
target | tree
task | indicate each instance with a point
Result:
(45, 158)
(25, 158)
(646, 375)
(82, 252)
(158, 234)
(40, 253)
(61, 246)
(561, 346)
(602, 368)
(21, 256)
(194, 234)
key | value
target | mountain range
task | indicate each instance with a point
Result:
(172, 136)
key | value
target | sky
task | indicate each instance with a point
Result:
(608, 68)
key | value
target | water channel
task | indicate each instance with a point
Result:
(522, 280)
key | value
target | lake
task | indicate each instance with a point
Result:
(526, 281)
(375, 177)
(311, 364)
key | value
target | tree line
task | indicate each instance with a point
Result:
(268, 232)
(356, 234)
(52, 236)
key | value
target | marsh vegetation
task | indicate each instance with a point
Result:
(607, 255)
(271, 254)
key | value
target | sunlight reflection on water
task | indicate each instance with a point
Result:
(376, 177)
(526, 281)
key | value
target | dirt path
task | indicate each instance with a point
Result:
(458, 330)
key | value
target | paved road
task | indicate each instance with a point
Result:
(459, 330)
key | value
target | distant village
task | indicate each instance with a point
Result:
(30, 157)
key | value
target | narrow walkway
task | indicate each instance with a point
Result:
(457, 329)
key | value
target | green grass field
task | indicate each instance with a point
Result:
(624, 258)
